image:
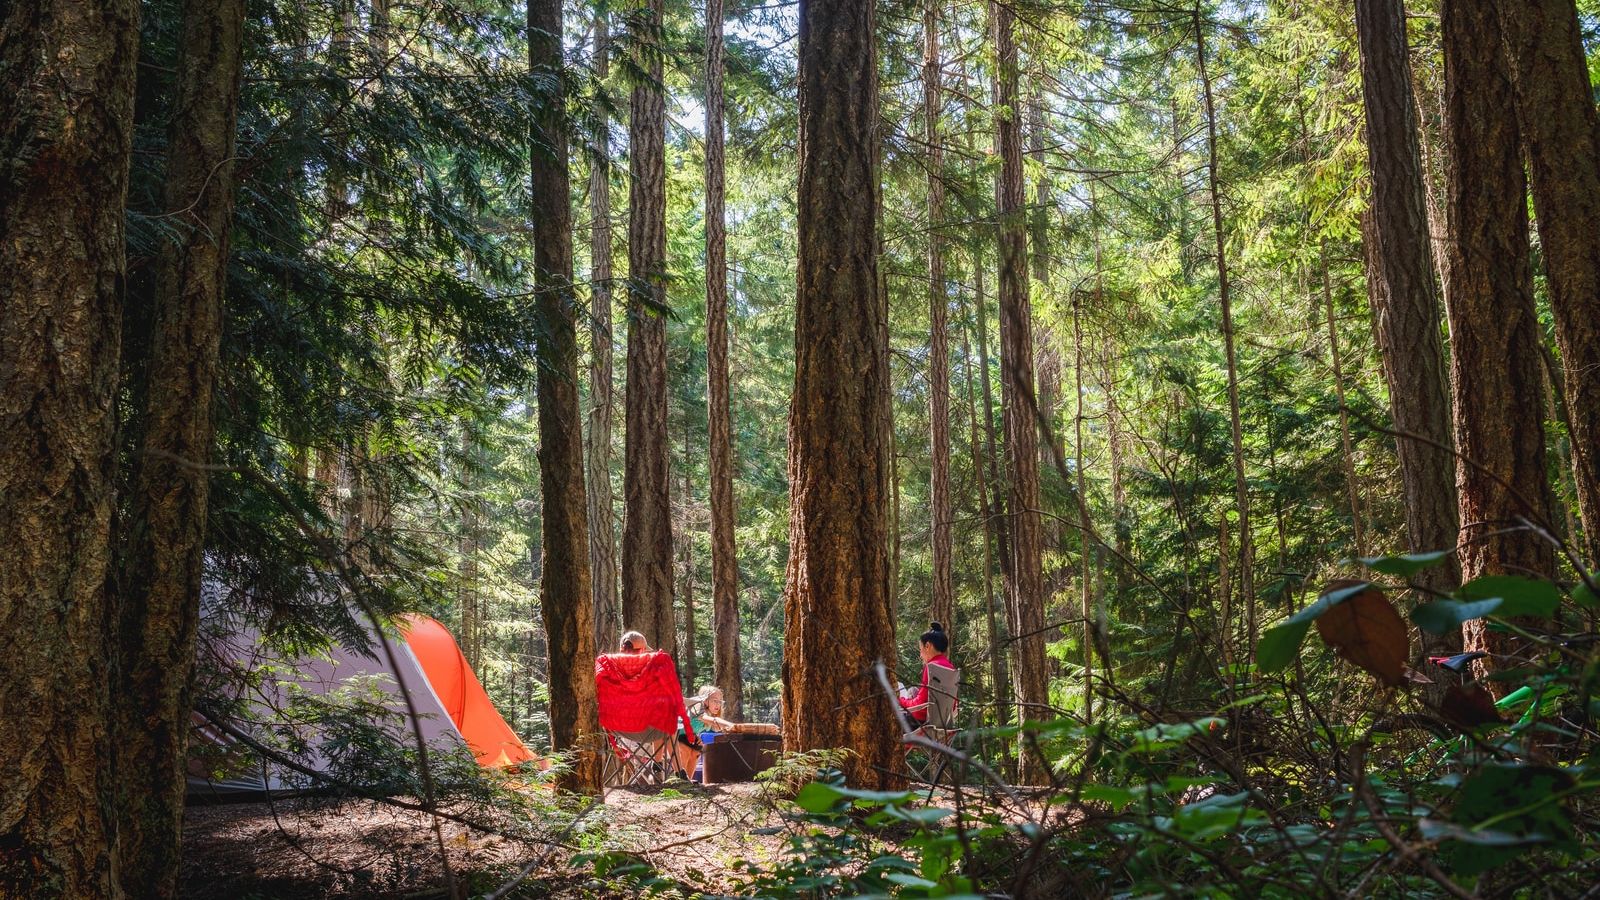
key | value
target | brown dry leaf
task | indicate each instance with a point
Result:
(1469, 706)
(1366, 630)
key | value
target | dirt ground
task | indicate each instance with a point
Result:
(361, 850)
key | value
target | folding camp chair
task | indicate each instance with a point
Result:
(641, 705)
(640, 757)
(940, 726)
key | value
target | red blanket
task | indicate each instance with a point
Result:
(638, 691)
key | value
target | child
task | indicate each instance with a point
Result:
(705, 714)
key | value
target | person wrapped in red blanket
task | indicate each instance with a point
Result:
(638, 691)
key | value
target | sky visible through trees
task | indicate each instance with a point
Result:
(1128, 339)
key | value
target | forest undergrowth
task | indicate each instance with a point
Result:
(1354, 764)
(1365, 771)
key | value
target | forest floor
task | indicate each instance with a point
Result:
(359, 850)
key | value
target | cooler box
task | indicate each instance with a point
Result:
(738, 757)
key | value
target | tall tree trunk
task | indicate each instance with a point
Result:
(1402, 291)
(66, 126)
(467, 546)
(158, 589)
(1046, 354)
(1000, 680)
(602, 505)
(943, 608)
(1241, 487)
(1114, 451)
(719, 416)
(1347, 457)
(688, 665)
(647, 493)
(1557, 116)
(1025, 590)
(1001, 522)
(564, 590)
(1085, 526)
(1494, 332)
(837, 591)
(1039, 216)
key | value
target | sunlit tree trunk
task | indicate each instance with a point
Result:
(1494, 332)
(564, 591)
(1347, 457)
(1086, 600)
(1019, 402)
(724, 512)
(688, 666)
(163, 535)
(944, 604)
(837, 591)
(647, 603)
(1402, 291)
(1114, 451)
(1557, 117)
(982, 467)
(1241, 487)
(602, 505)
(66, 126)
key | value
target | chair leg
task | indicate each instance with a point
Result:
(934, 783)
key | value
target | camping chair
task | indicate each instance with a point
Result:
(641, 705)
(940, 726)
(641, 757)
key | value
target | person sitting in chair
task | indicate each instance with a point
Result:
(705, 716)
(932, 648)
(634, 644)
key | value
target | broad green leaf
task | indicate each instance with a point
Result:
(1439, 830)
(865, 797)
(1405, 565)
(922, 815)
(1444, 616)
(1584, 596)
(1111, 795)
(1279, 644)
(1511, 799)
(817, 797)
(1160, 737)
(1521, 596)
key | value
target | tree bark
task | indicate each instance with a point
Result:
(1494, 331)
(1025, 589)
(999, 678)
(837, 592)
(724, 512)
(602, 505)
(1402, 290)
(1347, 457)
(647, 493)
(943, 607)
(1241, 486)
(564, 587)
(688, 667)
(163, 539)
(66, 126)
(1556, 114)
(1086, 599)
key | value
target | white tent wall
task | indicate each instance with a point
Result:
(243, 651)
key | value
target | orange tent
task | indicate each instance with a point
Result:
(462, 695)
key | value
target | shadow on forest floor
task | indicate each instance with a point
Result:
(358, 850)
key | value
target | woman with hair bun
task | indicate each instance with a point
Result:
(932, 648)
